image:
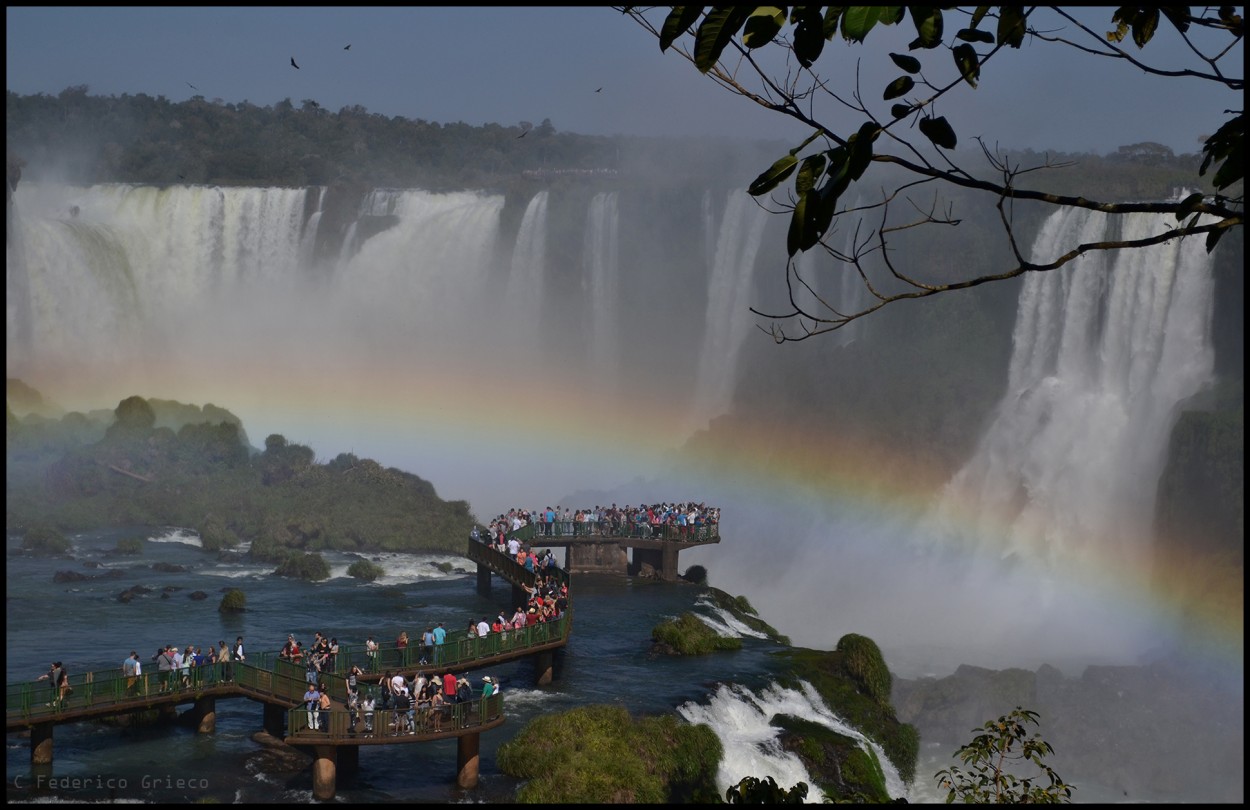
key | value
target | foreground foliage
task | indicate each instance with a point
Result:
(871, 147)
(1004, 744)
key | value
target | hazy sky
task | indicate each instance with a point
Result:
(510, 64)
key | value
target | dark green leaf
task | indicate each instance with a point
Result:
(830, 24)
(899, 110)
(1178, 16)
(979, 15)
(860, 146)
(715, 32)
(1010, 26)
(798, 220)
(809, 37)
(769, 180)
(677, 23)
(1145, 22)
(908, 63)
(1229, 173)
(857, 21)
(900, 86)
(973, 35)
(1187, 205)
(809, 173)
(928, 21)
(967, 62)
(938, 131)
(762, 25)
(1212, 238)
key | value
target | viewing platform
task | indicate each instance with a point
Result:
(604, 549)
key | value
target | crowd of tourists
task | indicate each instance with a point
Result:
(676, 521)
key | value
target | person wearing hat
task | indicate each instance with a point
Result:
(488, 686)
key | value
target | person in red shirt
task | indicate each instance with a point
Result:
(449, 686)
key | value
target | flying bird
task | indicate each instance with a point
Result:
(193, 87)
(523, 134)
(347, 47)
(600, 90)
(293, 63)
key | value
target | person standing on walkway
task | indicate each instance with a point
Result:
(324, 704)
(128, 670)
(223, 658)
(312, 702)
(53, 677)
(440, 636)
(371, 652)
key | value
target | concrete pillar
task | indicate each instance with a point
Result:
(668, 568)
(483, 579)
(467, 760)
(206, 712)
(41, 744)
(519, 596)
(275, 720)
(325, 761)
(542, 668)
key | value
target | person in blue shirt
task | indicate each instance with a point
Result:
(440, 635)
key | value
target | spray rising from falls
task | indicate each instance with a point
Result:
(1106, 350)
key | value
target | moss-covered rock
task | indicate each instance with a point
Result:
(311, 567)
(605, 755)
(366, 570)
(215, 535)
(844, 693)
(742, 610)
(862, 659)
(129, 545)
(234, 601)
(840, 766)
(689, 635)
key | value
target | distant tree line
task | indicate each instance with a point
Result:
(81, 138)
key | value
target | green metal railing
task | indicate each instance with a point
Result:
(268, 673)
(389, 723)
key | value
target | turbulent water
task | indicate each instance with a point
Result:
(514, 352)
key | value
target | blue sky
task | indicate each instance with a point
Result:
(511, 64)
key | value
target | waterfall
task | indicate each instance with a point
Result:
(116, 280)
(728, 319)
(1105, 351)
(529, 261)
(601, 262)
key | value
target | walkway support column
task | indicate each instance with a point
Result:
(542, 668)
(325, 764)
(41, 744)
(483, 579)
(467, 760)
(668, 567)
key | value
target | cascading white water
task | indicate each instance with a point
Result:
(728, 319)
(108, 285)
(601, 259)
(1104, 352)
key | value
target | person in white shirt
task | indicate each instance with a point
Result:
(483, 628)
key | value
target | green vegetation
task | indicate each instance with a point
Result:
(1005, 744)
(366, 570)
(603, 755)
(696, 574)
(140, 466)
(311, 567)
(688, 635)
(43, 539)
(234, 601)
(846, 694)
(129, 545)
(840, 766)
(863, 661)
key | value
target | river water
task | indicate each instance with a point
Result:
(607, 661)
